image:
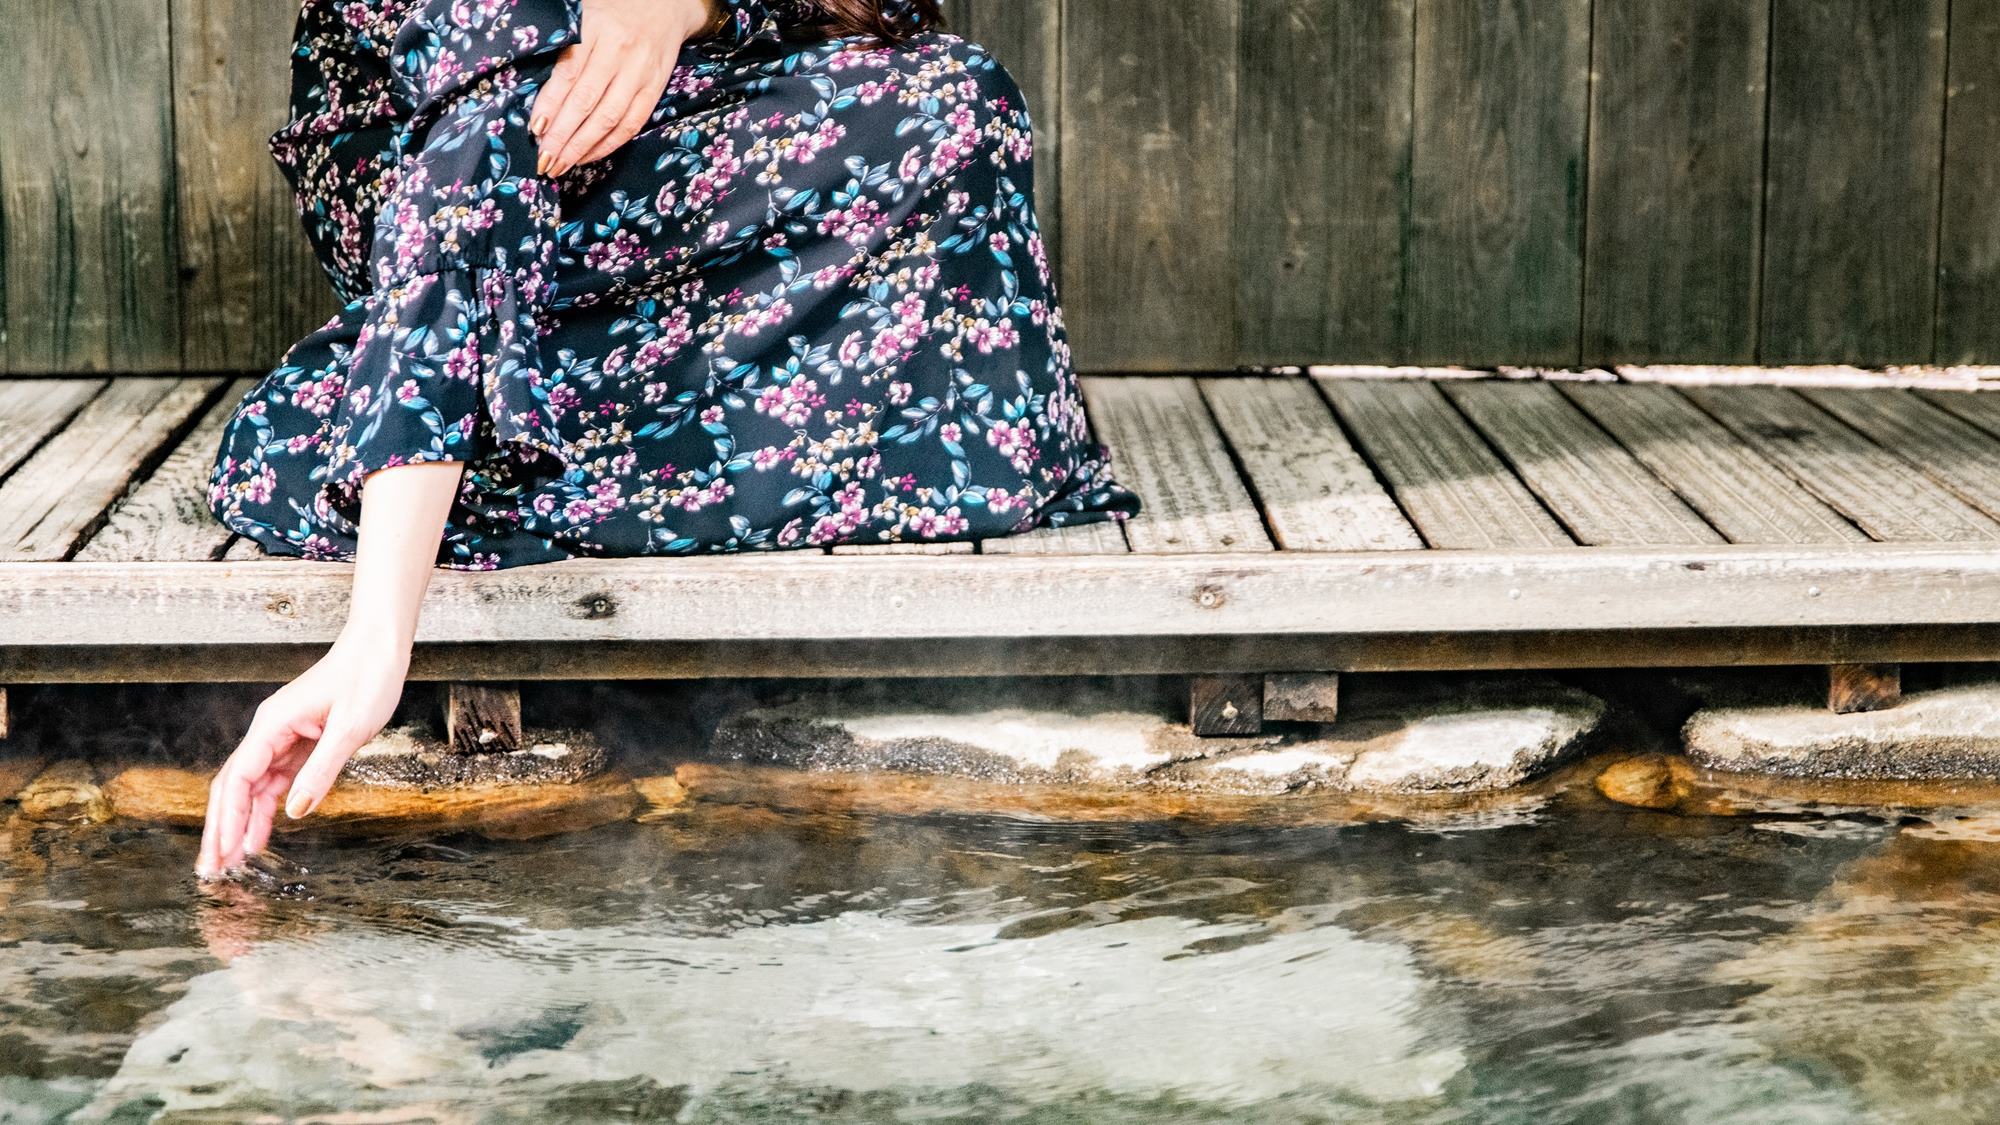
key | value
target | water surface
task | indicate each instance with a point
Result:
(1588, 963)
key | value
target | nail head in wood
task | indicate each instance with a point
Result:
(482, 718)
(1223, 705)
(1863, 687)
(1301, 697)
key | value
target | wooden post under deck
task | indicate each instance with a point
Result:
(1224, 705)
(1863, 687)
(482, 718)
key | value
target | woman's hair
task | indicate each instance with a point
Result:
(890, 21)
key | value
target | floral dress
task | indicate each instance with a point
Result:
(807, 305)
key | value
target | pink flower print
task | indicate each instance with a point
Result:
(462, 364)
(850, 349)
(856, 223)
(909, 309)
(766, 457)
(562, 399)
(850, 498)
(526, 37)
(950, 432)
(544, 504)
(998, 242)
(408, 391)
(711, 415)
(614, 256)
(989, 337)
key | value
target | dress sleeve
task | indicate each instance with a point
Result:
(445, 364)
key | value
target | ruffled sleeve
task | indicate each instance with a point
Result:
(445, 361)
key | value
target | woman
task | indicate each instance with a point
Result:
(638, 277)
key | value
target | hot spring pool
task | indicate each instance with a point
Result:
(1591, 963)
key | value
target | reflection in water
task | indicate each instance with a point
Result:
(1598, 963)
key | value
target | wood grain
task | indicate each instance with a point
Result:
(1742, 495)
(1316, 492)
(1968, 308)
(251, 286)
(166, 517)
(1951, 451)
(35, 408)
(1602, 493)
(1497, 179)
(1850, 234)
(777, 600)
(1676, 180)
(1887, 498)
(1323, 151)
(1170, 453)
(1148, 183)
(55, 499)
(88, 256)
(1452, 485)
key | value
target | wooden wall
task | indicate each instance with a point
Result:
(1225, 181)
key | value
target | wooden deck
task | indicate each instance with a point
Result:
(1293, 524)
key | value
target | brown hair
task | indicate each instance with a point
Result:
(890, 21)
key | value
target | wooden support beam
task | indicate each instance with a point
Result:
(1228, 704)
(1301, 697)
(481, 718)
(1863, 687)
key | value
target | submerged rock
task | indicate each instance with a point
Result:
(1396, 734)
(1947, 732)
(65, 792)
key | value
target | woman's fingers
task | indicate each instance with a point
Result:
(556, 90)
(337, 744)
(269, 738)
(595, 74)
(637, 113)
(629, 100)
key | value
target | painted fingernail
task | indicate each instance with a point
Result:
(537, 124)
(542, 164)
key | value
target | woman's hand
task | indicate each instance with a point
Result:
(302, 736)
(605, 87)
(305, 732)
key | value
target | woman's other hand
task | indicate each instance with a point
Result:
(605, 86)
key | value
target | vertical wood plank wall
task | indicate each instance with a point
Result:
(1221, 182)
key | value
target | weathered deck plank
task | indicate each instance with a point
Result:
(1742, 495)
(60, 493)
(1104, 537)
(1858, 478)
(166, 518)
(1274, 594)
(35, 408)
(1600, 491)
(1950, 450)
(1316, 492)
(953, 547)
(1455, 489)
(1170, 453)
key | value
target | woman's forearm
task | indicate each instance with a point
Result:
(403, 512)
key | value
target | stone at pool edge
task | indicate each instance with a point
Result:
(412, 757)
(175, 797)
(1443, 734)
(1950, 732)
